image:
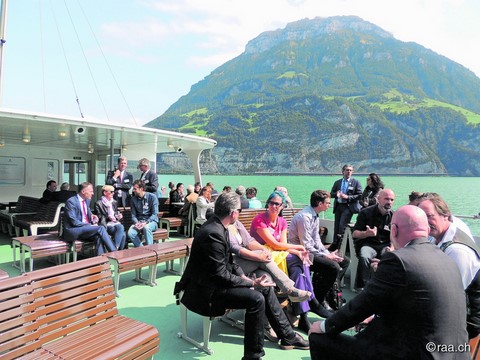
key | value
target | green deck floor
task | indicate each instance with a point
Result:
(156, 306)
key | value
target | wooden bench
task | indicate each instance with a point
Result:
(47, 218)
(3, 274)
(247, 215)
(169, 251)
(69, 312)
(172, 222)
(150, 255)
(132, 259)
(39, 246)
(26, 205)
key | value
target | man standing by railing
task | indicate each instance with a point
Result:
(347, 192)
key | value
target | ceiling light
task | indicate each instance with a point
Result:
(62, 131)
(124, 147)
(90, 148)
(2, 142)
(170, 143)
(26, 136)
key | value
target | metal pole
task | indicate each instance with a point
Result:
(3, 25)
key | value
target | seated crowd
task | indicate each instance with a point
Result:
(416, 264)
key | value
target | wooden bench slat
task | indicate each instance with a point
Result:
(44, 309)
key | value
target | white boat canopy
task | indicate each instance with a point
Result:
(86, 136)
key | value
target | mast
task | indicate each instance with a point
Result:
(3, 25)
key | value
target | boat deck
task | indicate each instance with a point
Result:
(156, 306)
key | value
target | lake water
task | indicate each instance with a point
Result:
(459, 192)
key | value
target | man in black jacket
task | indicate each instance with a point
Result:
(213, 282)
(122, 181)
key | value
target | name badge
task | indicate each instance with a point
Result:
(126, 180)
(147, 181)
(145, 207)
(350, 188)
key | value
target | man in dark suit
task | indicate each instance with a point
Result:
(122, 181)
(81, 224)
(347, 192)
(416, 297)
(213, 282)
(49, 192)
(149, 178)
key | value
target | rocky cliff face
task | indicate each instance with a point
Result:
(318, 94)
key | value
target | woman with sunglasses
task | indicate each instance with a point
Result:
(109, 217)
(270, 230)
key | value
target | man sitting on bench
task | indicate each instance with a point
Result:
(81, 224)
(144, 215)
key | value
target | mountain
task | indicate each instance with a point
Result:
(327, 91)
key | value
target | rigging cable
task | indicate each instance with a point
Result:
(66, 60)
(86, 61)
(108, 65)
(42, 55)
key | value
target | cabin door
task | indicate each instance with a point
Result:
(75, 172)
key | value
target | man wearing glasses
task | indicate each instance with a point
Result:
(347, 192)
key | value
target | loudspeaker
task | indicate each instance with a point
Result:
(79, 130)
(179, 149)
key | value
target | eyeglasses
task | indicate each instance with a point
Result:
(239, 210)
(273, 203)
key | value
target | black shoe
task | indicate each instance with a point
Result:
(304, 325)
(298, 342)
(321, 311)
(327, 306)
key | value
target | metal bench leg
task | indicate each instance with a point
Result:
(22, 260)
(116, 277)
(16, 245)
(153, 274)
(207, 326)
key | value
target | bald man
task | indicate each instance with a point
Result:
(416, 299)
(371, 234)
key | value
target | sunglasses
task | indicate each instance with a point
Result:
(273, 203)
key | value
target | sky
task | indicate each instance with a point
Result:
(127, 61)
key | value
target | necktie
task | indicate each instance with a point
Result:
(85, 212)
(344, 186)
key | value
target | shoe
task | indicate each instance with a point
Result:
(270, 334)
(297, 295)
(327, 306)
(298, 342)
(320, 310)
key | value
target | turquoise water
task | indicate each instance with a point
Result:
(459, 192)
